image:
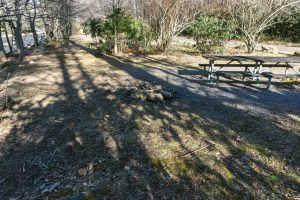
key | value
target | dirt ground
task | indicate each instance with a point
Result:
(73, 129)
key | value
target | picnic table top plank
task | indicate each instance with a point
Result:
(253, 58)
(225, 58)
(275, 59)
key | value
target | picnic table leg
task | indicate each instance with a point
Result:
(218, 80)
(269, 83)
(259, 71)
(286, 71)
(211, 69)
(246, 69)
(287, 68)
(293, 68)
(260, 68)
(255, 70)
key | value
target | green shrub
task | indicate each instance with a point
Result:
(104, 47)
(95, 28)
(210, 33)
(288, 30)
(130, 31)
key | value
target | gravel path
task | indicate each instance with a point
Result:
(281, 48)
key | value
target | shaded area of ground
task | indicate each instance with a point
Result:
(73, 124)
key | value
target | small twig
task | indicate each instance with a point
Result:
(193, 151)
(60, 167)
(6, 90)
(186, 142)
(64, 129)
(43, 165)
(3, 180)
(116, 130)
(52, 156)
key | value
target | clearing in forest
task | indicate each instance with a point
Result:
(73, 127)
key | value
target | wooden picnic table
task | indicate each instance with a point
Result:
(257, 62)
(252, 58)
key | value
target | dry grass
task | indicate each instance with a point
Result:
(73, 123)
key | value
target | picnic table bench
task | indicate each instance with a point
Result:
(253, 66)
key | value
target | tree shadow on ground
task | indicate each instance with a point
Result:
(94, 137)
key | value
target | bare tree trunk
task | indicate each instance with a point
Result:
(8, 40)
(33, 30)
(48, 30)
(169, 18)
(165, 44)
(115, 41)
(167, 39)
(2, 50)
(18, 35)
(11, 26)
(31, 20)
(18, 27)
(57, 23)
(251, 43)
(13, 32)
(252, 17)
